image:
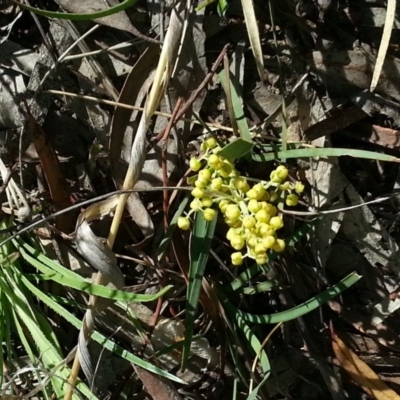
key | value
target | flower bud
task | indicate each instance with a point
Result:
(194, 164)
(184, 223)
(209, 214)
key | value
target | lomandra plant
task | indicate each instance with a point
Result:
(249, 206)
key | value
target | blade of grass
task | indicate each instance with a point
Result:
(261, 287)
(63, 276)
(229, 103)
(236, 149)
(303, 308)
(200, 245)
(236, 103)
(98, 337)
(323, 152)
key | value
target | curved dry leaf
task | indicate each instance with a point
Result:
(158, 387)
(361, 373)
(135, 87)
(387, 33)
(124, 128)
(95, 252)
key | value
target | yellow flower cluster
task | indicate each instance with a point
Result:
(249, 212)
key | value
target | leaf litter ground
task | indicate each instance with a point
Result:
(314, 112)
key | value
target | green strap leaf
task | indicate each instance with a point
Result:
(236, 103)
(323, 152)
(200, 245)
(301, 309)
(96, 336)
(76, 281)
(236, 149)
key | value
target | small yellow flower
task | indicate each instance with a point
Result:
(284, 186)
(292, 200)
(210, 143)
(232, 212)
(252, 241)
(252, 194)
(249, 222)
(184, 223)
(261, 259)
(282, 172)
(204, 175)
(197, 193)
(279, 245)
(276, 222)
(200, 184)
(209, 214)
(259, 249)
(299, 187)
(237, 258)
(223, 205)
(237, 242)
(263, 216)
(240, 183)
(196, 205)
(207, 201)
(194, 164)
(225, 171)
(254, 206)
(268, 241)
(260, 190)
(216, 184)
(214, 162)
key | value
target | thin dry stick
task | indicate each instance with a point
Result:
(138, 156)
(195, 94)
(130, 107)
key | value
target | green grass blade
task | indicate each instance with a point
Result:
(323, 152)
(261, 287)
(305, 307)
(204, 4)
(99, 338)
(236, 149)
(237, 104)
(251, 338)
(200, 245)
(222, 7)
(63, 276)
(103, 291)
(254, 392)
(78, 17)
(29, 350)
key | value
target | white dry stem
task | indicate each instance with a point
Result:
(387, 33)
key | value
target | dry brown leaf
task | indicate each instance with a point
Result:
(361, 373)
(158, 387)
(51, 168)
